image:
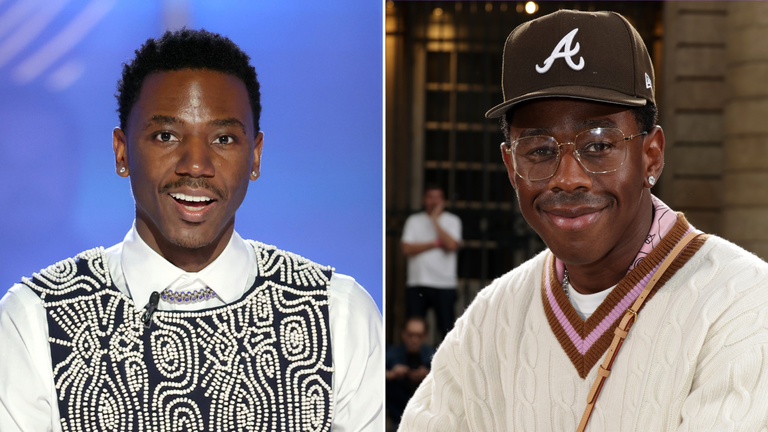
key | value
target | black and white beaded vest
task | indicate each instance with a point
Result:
(262, 363)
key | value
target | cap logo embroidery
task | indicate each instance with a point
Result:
(648, 83)
(563, 50)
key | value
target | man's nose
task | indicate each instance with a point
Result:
(570, 174)
(196, 159)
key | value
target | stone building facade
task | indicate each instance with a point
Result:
(715, 115)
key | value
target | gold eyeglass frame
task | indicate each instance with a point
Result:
(576, 153)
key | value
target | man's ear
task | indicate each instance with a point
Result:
(506, 155)
(653, 155)
(258, 143)
(119, 145)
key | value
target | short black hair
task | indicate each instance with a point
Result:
(646, 117)
(186, 49)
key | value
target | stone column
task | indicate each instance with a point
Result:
(745, 175)
(691, 109)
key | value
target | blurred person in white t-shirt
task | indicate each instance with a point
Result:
(431, 239)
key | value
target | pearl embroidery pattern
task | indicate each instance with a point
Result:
(262, 363)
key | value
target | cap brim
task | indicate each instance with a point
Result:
(576, 92)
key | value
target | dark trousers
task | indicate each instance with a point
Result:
(442, 300)
(397, 398)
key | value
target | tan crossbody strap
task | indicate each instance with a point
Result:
(626, 323)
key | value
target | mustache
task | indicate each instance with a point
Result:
(574, 199)
(194, 183)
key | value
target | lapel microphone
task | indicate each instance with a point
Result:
(150, 309)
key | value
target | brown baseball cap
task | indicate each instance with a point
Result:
(585, 55)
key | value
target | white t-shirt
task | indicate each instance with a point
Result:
(434, 268)
(587, 304)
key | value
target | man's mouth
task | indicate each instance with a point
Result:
(573, 220)
(191, 202)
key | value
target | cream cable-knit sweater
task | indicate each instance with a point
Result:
(697, 358)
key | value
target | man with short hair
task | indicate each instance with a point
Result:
(631, 319)
(431, 240)
(184, 325)
(407, 364)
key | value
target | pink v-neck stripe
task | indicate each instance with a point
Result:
(618, 310)
(561, 318)
(583, 345)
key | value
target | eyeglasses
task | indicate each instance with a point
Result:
(599, 151)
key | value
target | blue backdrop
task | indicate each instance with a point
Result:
(320, 67)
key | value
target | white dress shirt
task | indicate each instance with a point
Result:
(28, 400)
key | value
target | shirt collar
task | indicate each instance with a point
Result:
(146, 271)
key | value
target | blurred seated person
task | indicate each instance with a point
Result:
(407, 365)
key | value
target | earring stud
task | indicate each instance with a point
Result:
(652, 180)
(255, 174)
(122, 170)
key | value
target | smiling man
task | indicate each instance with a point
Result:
(631, 319)
(184, 325)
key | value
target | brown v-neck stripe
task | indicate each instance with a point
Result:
(594, 335)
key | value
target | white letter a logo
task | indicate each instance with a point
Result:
(563, 50)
